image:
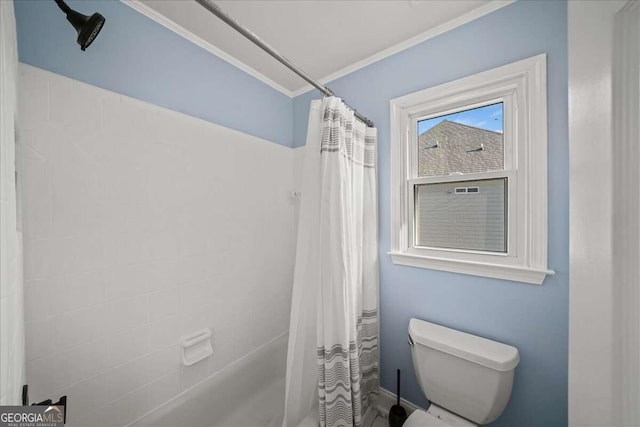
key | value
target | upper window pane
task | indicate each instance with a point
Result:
(468, 141)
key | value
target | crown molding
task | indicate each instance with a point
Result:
(142, 8)
(415, 40)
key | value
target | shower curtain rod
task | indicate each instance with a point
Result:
(215, 9)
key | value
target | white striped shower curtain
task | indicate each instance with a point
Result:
(332, 365)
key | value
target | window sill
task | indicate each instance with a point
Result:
(496, 271)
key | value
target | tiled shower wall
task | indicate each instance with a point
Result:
(142, 225)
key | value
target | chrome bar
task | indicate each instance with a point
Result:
(217, 11)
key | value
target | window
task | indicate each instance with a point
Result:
(469, 175)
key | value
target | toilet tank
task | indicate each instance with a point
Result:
(463, 373)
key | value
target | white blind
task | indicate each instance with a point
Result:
(474, 220)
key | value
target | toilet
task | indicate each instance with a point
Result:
(467, 379)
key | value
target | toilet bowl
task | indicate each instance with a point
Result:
(468, 379)
(436, 417)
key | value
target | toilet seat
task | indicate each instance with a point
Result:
(436, 417)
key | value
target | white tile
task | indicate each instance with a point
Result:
(167, 274)
(125, 249)
(196, 294)
(47, 257)
(164, 304)
(144, 225)
(123, 119)
(163, 389)
(167, 127)
(283, 312)
(264, 327)
(163, 244)
(125, 347)
(78, 364)
(38, 259)
(125, 314)
(125, 378)
(194, 268)
(40, 378)
(192, 375)
(49, 141)
(203, 227)
(61, 294)
(33, 97)
(37, 300)
(129, 281)
(157, 364)
(164, 333)
(77, 291)
(80, 326)
(168, 168)
(77, 207)
(128, 408)
(123, 185)
(73, 103)
(223, 301)
(39, 339)
(120, 380)
(243, 333)
(223, 347)
(86, 396)
(197, 318)
(35, 176)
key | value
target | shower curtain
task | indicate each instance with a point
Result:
(12, 370)
(332, 363)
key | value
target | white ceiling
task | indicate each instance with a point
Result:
(322, 37)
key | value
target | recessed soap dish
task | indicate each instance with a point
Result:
(196, 347)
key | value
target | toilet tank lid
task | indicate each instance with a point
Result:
(492, 354)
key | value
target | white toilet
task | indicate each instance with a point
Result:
(466, 378)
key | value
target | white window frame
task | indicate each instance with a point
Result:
(522, 88)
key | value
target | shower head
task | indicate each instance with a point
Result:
(87, 27)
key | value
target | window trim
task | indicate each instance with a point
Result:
(522, 86)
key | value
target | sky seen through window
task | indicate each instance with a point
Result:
(488, 117)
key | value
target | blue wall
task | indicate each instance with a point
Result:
(135, 56)
(532, 318)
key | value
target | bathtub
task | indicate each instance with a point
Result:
(247, 393)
